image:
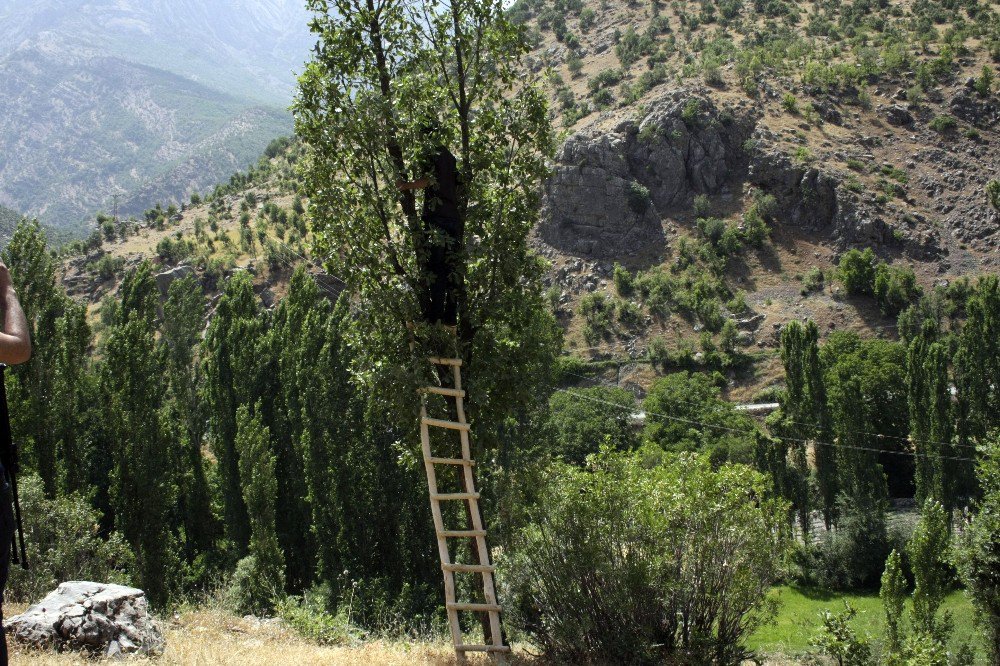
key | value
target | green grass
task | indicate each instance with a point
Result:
(798, 619)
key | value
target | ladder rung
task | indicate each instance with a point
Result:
(458, 534)
(482, 648)
(441, 390)
(474, 607)
(452, 461)
(445, 361)
(455, 496)
(440, 423)
(469, 568)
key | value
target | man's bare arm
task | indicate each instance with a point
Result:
(15, 343)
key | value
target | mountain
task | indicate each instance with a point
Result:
(75, 129)
(249, 49)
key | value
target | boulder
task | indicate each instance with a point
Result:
(166, 278)
(897, 116)
(96, 617)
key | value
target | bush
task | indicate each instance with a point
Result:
(308, 616)
(598, 313)
(702, 205)
(857, 271)
(993, 193)
(853, 556)
(636, 560)
(62, 542)
(639, 199)
(943, 124)
(789, 103)
(813, 281)
(624, 281)
(895, 288)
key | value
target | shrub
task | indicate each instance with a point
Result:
(789, 103)
(839, 640)
(587, 17)
(307, 615)
(895, 288)
(575, 64)
(639, 199)
(636, 560)
(702, 205)
(993, 193)
(857, 271)
(598, 313)
(984, 82)
(943, 123)
(63, 543)
(813, 281)
(624, 281)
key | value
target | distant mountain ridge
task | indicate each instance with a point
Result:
(76, 130)
(148, 100)
(245, 48)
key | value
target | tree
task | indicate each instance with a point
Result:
(584, 420)
(929, 555)
(993, 193)
(183, 322)
(978, 552)
(260, 576)
(144, 480)
(893, 595)
(857, 271)
(232, 368)
(380, 77)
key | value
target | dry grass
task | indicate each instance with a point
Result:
(210, 637)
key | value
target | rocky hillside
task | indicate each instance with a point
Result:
(727, 154)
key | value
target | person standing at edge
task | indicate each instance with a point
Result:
(15, 347)
(441, 251)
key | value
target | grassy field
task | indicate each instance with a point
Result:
(799, 619)
(208, 637)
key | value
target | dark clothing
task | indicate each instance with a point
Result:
(443, 256)
(6, 543)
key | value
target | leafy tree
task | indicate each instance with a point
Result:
(857, 271)
(585, 419)
(379, 78)
(260, 575)
(895, 288)
(685, 412)
(893, 595)
(978, 552)
(183, 322)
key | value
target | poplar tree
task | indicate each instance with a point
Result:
(144, 486)
(893, 596)
(261, 575)
(232, 368)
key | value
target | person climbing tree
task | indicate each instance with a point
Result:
(440, 246)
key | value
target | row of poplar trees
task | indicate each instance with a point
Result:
(885, 418)
(245, 446)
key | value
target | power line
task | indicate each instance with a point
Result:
(790, 439)
(751, 432)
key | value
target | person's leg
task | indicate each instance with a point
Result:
(6, 542)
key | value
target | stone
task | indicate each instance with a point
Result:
(99, 618)
(897, 115)
(166, 278)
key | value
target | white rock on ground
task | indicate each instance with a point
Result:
(96, 617)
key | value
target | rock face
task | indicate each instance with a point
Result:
(609, 190)
(99, 618)
(166, 278)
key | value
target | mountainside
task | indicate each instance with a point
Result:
(76, 130)
(247, 49)
(728, 154)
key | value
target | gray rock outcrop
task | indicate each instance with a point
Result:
(95, 617)
(166, 278)
(609, 190)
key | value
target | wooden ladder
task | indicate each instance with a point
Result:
(497, 649)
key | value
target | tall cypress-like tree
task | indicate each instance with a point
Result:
(918, 395)
(144, 486)
(941, 424)
(183, 322)
(232, 368)
(264, 566)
